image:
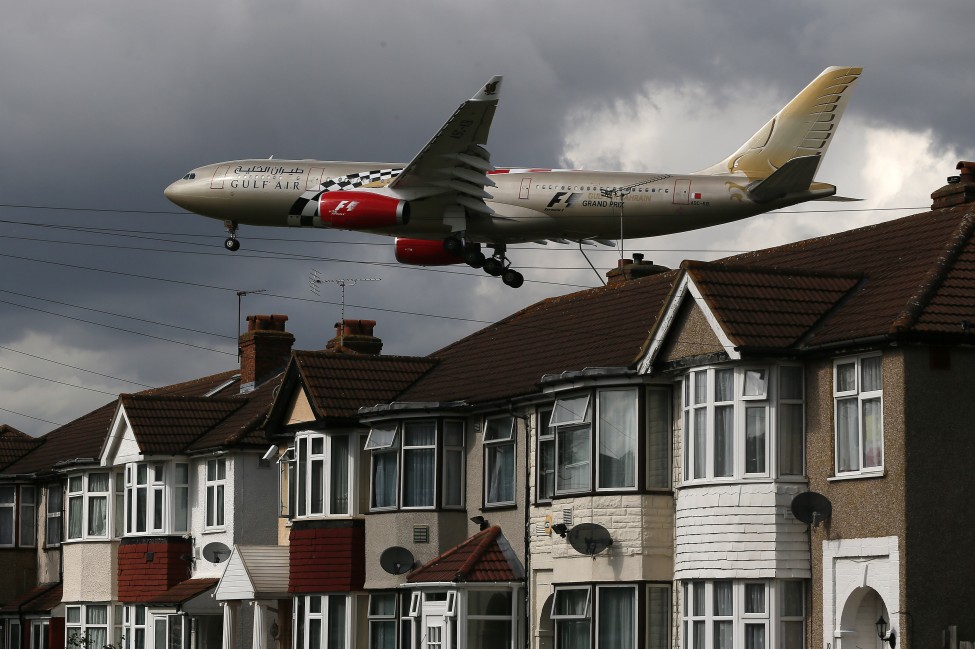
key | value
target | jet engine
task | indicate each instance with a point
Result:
(351, 210)
(424, 252)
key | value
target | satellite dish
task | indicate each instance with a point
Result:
(216, 552)
(812, 508)
(589, 538)
(396, 560)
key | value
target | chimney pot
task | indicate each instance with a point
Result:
(959, 190)
(265, 349)
(355, 337)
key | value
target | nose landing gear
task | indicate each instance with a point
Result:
(231, 242)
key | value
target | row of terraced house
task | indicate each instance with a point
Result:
(614, 468)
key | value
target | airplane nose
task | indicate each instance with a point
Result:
(175, 193)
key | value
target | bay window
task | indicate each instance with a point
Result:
(499, 460)
(617, 426)
(729, 427)
(88, 505)
(607, 616)
(87, 625)
(725, 614)
(417, 463)
(324, 464)
(858, 406)
(322, 621)
(490, 619)
(156, 497)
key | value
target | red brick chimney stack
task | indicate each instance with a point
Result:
(265, 349)
(627, 269)
(355, 337)
(959, 190)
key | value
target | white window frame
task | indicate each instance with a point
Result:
(160, 491)
(54, 520)
(499, 438)
(40, 633)
(215, 477)
(303, 607)
(545, 445)
(315, 448)
(14, 634)
(602, 424)
(598, 620)
(511, 616)
(784, 404)
(27, 523)
(700, 423)
(407, 476)
(862, 395)
(136, 623)
(454, 462)
(166, 618)
(704, 621)
(11, 506)
(382, 618)
(80, 491)
(572, 415)
(77, 622)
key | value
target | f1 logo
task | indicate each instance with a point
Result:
(556, 203)
(346, 206)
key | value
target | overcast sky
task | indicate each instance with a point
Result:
(107, 286)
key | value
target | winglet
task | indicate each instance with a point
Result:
(491, 91)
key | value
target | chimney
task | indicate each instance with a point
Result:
(265, 349)
(627, 269)
(959, 190)
(355, 337)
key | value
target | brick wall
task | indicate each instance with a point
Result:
(327, 556)
(151, 565)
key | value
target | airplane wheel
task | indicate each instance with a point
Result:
(512, 278)
(231, 244)
(493, 266)
(474, 258)
(453, 245)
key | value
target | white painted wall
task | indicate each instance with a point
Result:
(742, 530)
(90, 571)
(849, 566)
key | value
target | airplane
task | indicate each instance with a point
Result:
(450, 200)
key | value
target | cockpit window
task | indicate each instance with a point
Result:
(189, 176)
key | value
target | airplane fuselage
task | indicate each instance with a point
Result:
(528, 204)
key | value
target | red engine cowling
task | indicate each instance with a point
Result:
(424, 252)
(350, 210)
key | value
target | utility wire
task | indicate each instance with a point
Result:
(75, 367)
(20, 414)
(70, 385)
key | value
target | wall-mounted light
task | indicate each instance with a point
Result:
(882, 633)
(481, 522)
(560, 529)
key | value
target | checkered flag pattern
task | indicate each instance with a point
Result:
(307, 203)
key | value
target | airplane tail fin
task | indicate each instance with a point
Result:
(803, 129)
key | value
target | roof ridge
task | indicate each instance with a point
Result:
(934, 278)
(690, 265)
(491, 534)
(480, 542)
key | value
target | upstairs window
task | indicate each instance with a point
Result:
(216, 486)
(18, 516)
(55, 503)
(616, 427)
(416, 464)
(88, 510)
(729, 432)
(858, 406)
(324, 464)
(156, 497)
(499, 461)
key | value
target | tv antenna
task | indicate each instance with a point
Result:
(240, 295)
(622, 193)
(316, 278)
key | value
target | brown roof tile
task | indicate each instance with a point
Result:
(166, 425)
(339, 384)
(481, 557)
(601, 327)
(183, 591)
(39, 599)
(14, 445)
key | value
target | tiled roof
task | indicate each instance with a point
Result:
(183, 591)
(742, 297)
(14, 445)
(83, 437)
(166, 425)
(339, 384)
(601, 327)
(39, 599)
(918, 276)
(485, 556)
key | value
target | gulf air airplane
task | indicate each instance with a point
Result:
(450, 203)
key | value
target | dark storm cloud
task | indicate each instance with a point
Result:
(105, 103)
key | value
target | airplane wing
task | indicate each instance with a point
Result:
(455, 161)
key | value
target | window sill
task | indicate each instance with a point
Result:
(877, 473)
(491, 507)
(214, 530)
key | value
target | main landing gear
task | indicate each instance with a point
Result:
(231, 242)
(497, 265)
